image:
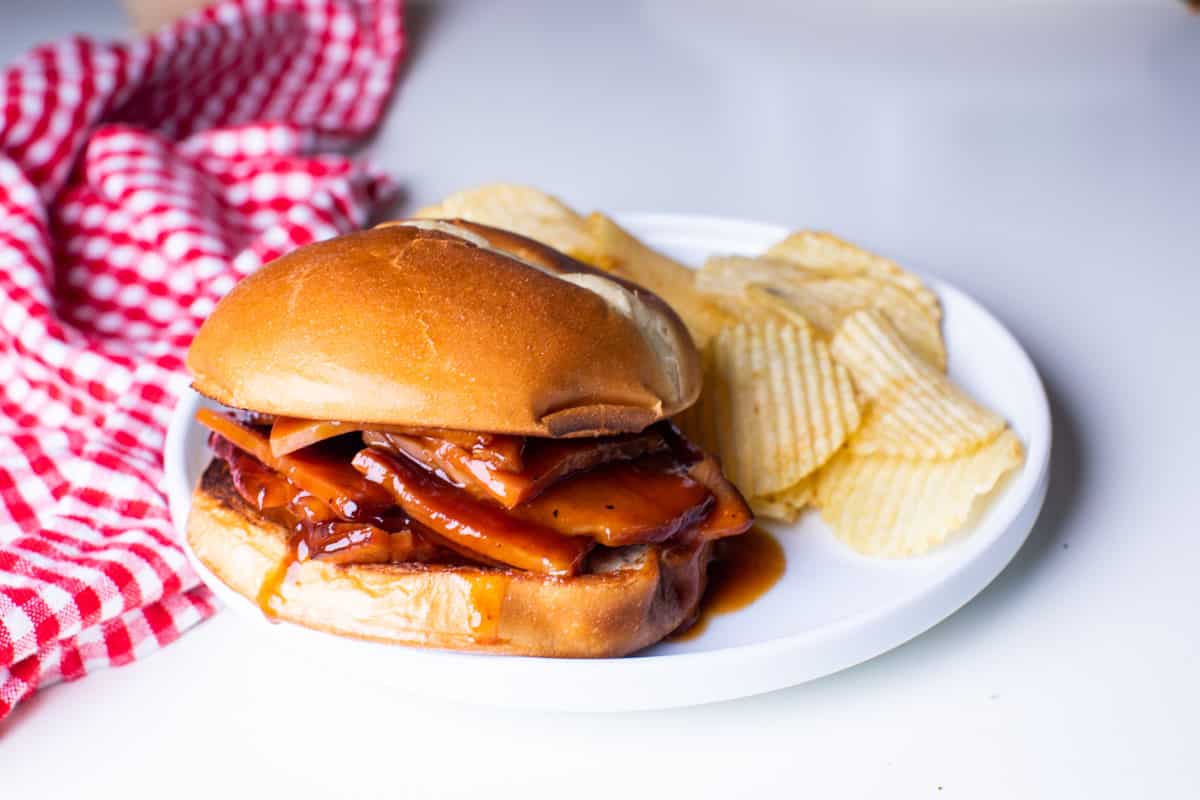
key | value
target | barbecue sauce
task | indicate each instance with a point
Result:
(487, 600)
(746, 567)
(647, 487)
(278, 576)
(314, 529)
(473, 524)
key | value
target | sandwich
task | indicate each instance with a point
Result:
(441, 434)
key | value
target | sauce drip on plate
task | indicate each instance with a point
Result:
(748, 566)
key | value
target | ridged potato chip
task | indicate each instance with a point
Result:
(786, 505)
(895, 507)
(521, 209)
(868, 345)
(916, 411)
(749, 289)
(925, 419)
(823, 252)
(775, 405)
(824, 300)
(743, 307)
(828, 301)
(769, 300)
(620, 252)
(730, 275)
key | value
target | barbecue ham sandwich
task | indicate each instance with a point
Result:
(441, 434)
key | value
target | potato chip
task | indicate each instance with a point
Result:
(868, 345)
(730, 275)
(828, 301)
(895, 507)
(824, 300)
(825, 253)
(786, 505)
(747, 309)
(618, 251)
(775, 405)
(756, 286)
(521, 209)
(762, 299)
(925, 419)
(916, 411)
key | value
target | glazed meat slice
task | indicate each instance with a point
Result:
(730, 514)
(646, 500)
(320, 532)
(548, 461)
(289, 434)
(325, 475)
(472, 524)
(455, 464)
(418, 497)
(545, 461)
(346, 543)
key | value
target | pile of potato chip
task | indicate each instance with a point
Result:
(825, 378)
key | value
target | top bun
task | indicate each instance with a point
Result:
(446, 324)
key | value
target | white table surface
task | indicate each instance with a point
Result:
(1043, 156)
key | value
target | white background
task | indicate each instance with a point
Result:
(1043, 156)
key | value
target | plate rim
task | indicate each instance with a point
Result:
(667, 226)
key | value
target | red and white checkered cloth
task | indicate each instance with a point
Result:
(138, 182)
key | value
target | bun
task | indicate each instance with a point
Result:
(446, 324)
(630, 598)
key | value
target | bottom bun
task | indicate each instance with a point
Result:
(627, 598)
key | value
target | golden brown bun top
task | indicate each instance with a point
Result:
(446, 324)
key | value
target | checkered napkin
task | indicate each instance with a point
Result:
(138, 182)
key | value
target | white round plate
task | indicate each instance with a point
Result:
(832, 608)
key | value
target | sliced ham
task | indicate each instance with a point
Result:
(475, 525)
(546, 461)
(258, 484)
(502, 452)
(730, 515)
(647, 500)
(289, 434)
(330, 479)
(456, 465)
(457, 497)
(550, 460)
(322, 534)
(346, 543)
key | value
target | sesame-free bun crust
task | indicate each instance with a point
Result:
(629, 600)
(449, 325)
